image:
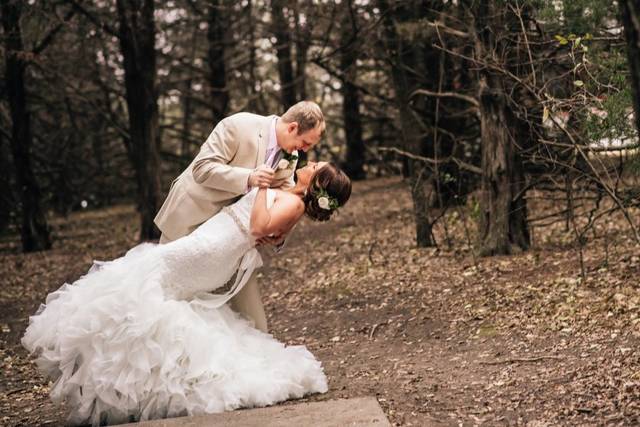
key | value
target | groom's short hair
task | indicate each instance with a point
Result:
(307, 114)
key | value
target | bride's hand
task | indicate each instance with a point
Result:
(271, 240)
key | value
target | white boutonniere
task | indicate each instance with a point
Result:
(283, 164)
(288, 160)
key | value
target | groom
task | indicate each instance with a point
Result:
(243, 151)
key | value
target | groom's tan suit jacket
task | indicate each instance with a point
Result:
(218, 175)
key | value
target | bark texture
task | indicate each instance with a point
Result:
(504, 217)
(34, 231)
(503, 222)
(137, 43)
(283, 50)
(404, 56)
(354, 164)
(217, 66)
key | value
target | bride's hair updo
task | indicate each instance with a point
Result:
(329, 189)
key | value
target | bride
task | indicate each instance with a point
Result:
(142, 336)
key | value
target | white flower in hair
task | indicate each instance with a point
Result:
(323, 202)
(283, 164)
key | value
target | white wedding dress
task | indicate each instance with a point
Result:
(142, 337)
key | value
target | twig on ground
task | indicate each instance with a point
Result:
(14, 391)
(373, 244)
(374, 327)
(373, 330)
(520, 360)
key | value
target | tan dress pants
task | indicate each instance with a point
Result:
(247, 302)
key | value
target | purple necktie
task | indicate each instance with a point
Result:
(273, 157)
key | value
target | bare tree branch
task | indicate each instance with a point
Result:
(96, 21)
(463, 165)
(49, 37)
(469, 99)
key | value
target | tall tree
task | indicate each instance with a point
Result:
(354, 164)
(630, 14)
(503, 222)
(6, 188)
(282, 33)
(137, 43)
(34, 231)
(256, 103)
(216, 32)
(187, 100)
(302, 44)
(407, 65)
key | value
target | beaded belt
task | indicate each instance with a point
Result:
(236, 219)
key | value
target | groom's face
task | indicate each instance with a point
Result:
(304, 142)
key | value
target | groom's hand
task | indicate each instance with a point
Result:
(262, 177)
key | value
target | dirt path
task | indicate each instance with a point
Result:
(438, 337)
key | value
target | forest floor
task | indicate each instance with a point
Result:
(438, 336)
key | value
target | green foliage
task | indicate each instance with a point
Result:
(601, 98)
(475, 210)
(612, 66)
(617, 122)
(447, 178)
(574, 16)
(633, 164)
(607, 81)
(581, 16)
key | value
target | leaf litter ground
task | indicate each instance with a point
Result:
(438, 336)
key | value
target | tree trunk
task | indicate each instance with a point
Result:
(217, 66)
(303, 41)
(503, 221)
(137, 39)
(405, 56)
(187, 109)
(256, 103)
(7, 201)
(283, 50)
(185, 152)
(503, 224)
(354, 165)
(35, 232)
(630, 13)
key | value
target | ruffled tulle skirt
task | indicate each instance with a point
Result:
(118, 350)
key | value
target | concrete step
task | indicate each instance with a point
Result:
(362, 411)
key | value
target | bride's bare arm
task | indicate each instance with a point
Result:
(277, 220)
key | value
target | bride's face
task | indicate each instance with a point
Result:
(306, 173)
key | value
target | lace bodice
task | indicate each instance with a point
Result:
(209, 257)
(241, 210)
